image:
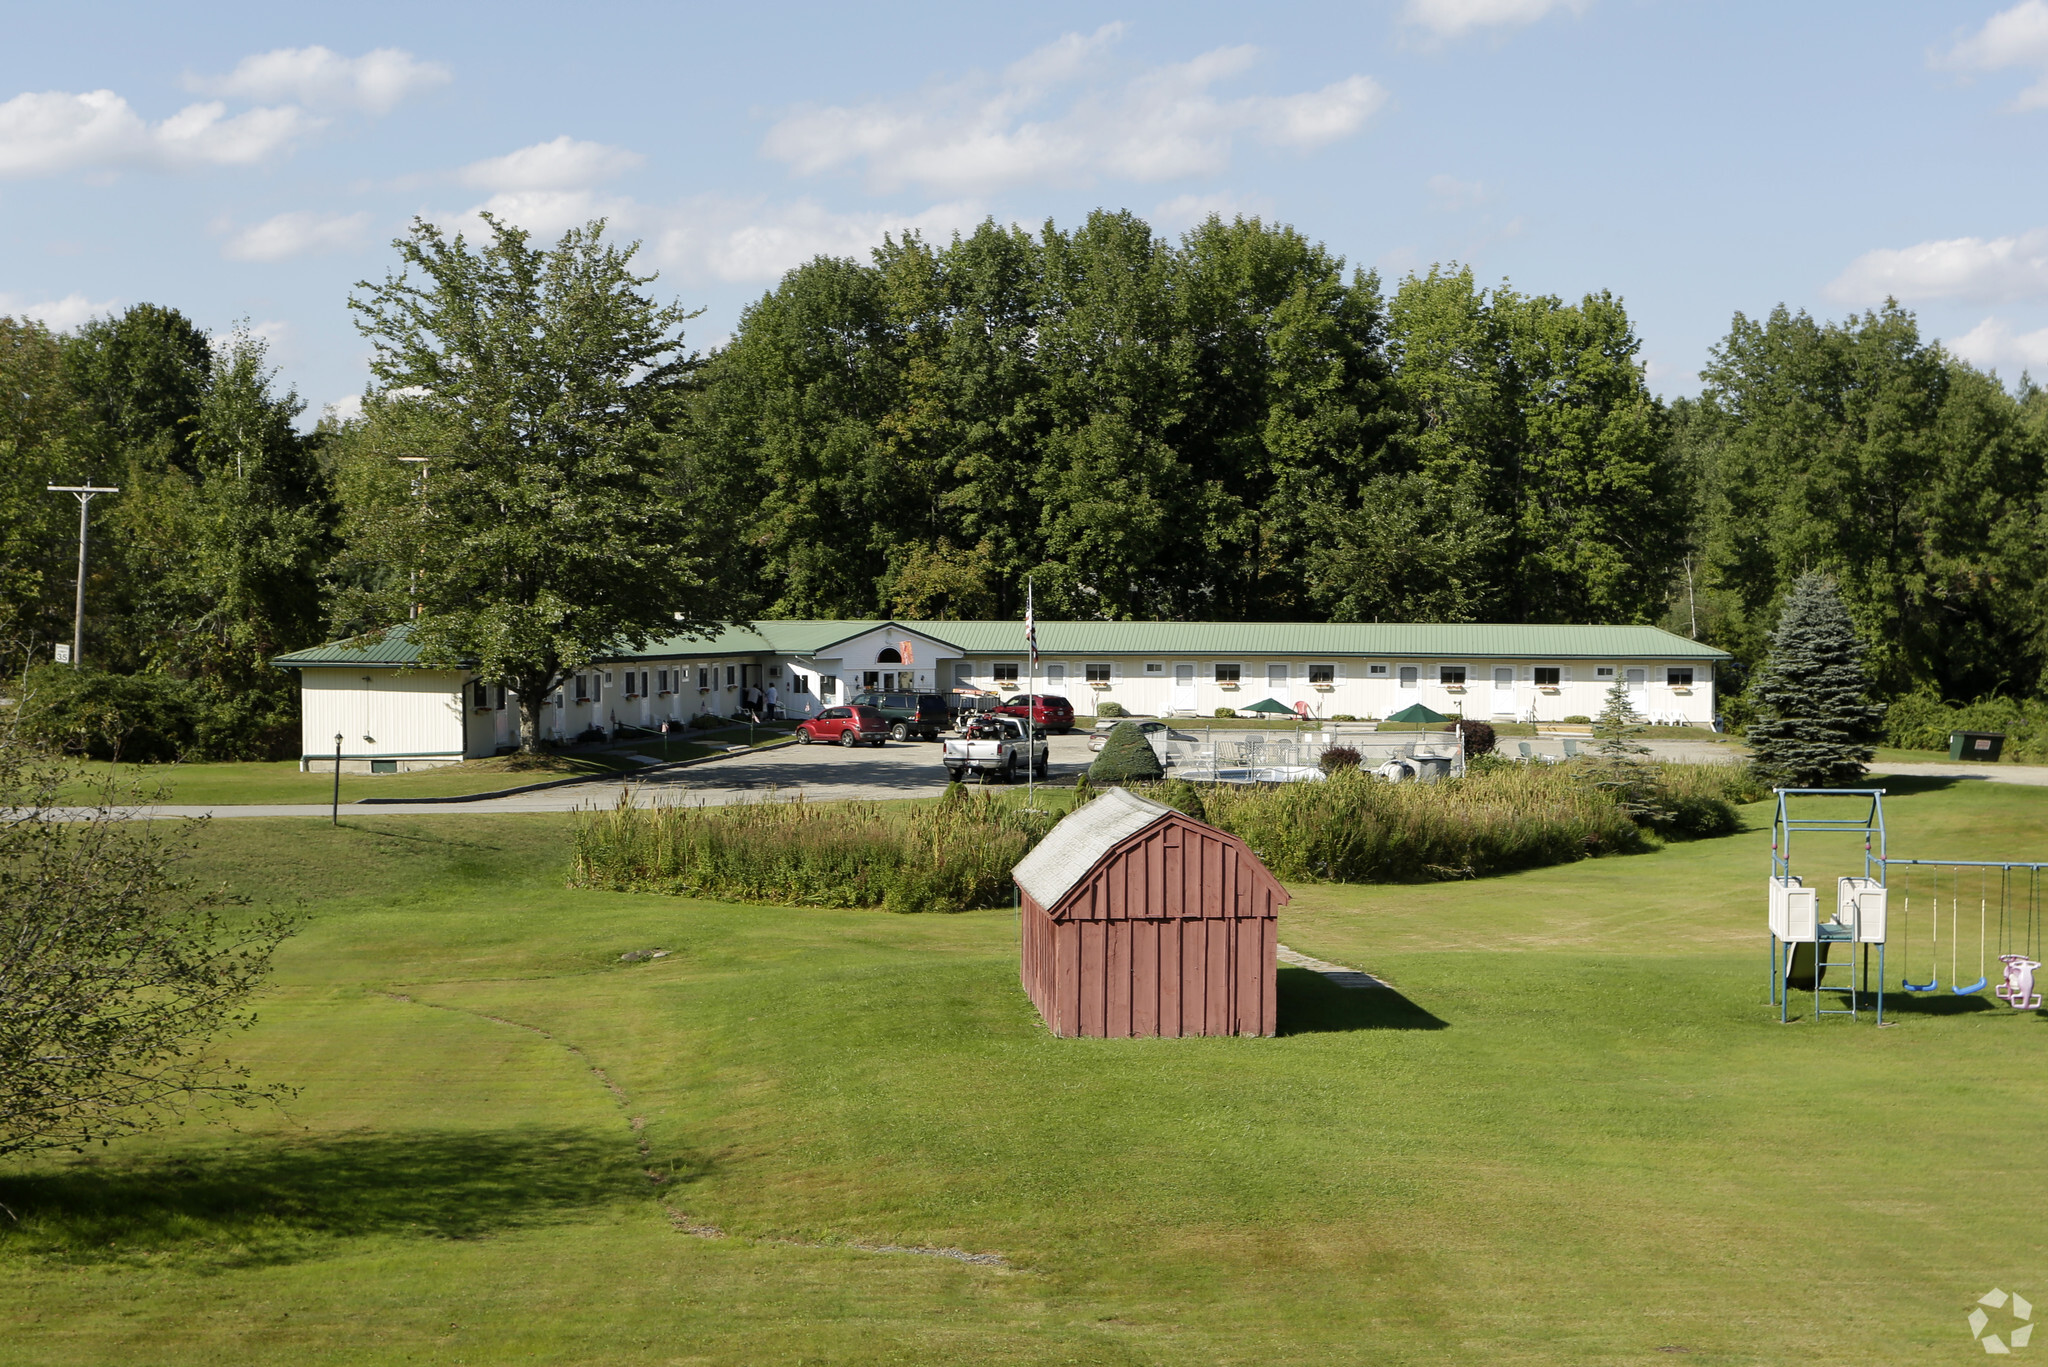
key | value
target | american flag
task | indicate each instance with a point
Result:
(1030, 625)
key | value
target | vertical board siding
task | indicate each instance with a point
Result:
(1172, 933)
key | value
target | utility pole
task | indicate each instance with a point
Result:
(84, 493)
(419, 489)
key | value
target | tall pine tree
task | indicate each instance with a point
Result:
(1814, 715)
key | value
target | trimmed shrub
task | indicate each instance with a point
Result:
(1578, 720)
(1338, 757)
(1127, 757)
(1343, 716)
(1111, 709)
(1479, 738)
(1182, 796)
(1226, 712)
(704, 721)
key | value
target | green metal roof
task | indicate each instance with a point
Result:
(1380, 640)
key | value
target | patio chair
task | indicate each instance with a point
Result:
(1527, 753)
(1571, 747)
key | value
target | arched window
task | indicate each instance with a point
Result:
(889, 657)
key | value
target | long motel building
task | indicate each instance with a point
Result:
(394, 714)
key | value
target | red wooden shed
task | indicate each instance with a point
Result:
(1138, 920)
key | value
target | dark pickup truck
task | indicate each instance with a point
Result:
(923, 715)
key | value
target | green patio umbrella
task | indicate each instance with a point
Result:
(1419, 715)
(1271, 708)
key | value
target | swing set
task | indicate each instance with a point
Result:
(1862, 904)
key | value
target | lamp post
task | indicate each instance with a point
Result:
(84, 493)
(335, 815)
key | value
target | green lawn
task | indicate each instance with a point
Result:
(1577, 1136)
(259, 783)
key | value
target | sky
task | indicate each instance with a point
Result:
(248, 164)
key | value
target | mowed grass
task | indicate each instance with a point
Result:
(261, 783)
(1576, 1135)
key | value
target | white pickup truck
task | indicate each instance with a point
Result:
(995, 747)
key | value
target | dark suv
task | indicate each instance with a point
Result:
(909, 714)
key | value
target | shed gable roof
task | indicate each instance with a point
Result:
(1106, 829)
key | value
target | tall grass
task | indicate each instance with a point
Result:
(1355, 828)
(952, 856)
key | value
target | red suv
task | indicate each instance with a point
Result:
(847, 725)
(1053, 712)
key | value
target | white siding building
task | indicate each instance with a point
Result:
(394, 715)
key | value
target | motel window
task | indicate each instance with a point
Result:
(963, 673)
(703, 677)
(1003, 674)
(1098, 671)
(1155, 667)
(798, 683)
(630, 685)
(1324, 674)
(1276, 676)
(1375, 671)
(501, 698)
(1408, 676)
(1603, 671)
(1504, 676)
(1450, 674)
(582, 689)
(483, 693)
(1548, 676)
(731, 676)
(828, 685)
(1227, 674)
(643, 683)
(1678, 678)
(1055, 674)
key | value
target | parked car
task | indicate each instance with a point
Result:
(849, 725)
(909, 714)
(1052, 711)
(996, 747)
(1099, 737)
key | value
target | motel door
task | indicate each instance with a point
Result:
(1504, 691)
(1183, 688)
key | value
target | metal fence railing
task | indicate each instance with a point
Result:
(1207, 755)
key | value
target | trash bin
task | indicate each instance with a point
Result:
(1984, 745)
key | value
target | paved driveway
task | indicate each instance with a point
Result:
(822, 773)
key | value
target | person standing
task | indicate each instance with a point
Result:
(773, 699)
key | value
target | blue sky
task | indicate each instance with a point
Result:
(246, 162)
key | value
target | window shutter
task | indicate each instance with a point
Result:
(1564, 674)
(1337, 671)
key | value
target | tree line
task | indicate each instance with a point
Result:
(1231, 425)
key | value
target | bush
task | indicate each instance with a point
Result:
(1182, 796)
(1338, 757)
(1921, 721)
(154, 718)
(1479, 738)
(704, 721)
(1578, 721)
(1111, 709)
(1226, 712)
(1343, 716)
(955, 855)
(1355, 828)
(1127, 757)
(1699, 800)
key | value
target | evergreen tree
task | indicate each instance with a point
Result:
(1126, 757)
(1620, 764)
(1812, 696)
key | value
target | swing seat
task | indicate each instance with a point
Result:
(1931, 985)
(1972, 990)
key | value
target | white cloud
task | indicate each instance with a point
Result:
(1159, 124)
(1994, 269)
(53, 131)
(58, 315)
(564, 164)
(376, 82)
(1456, 18)
(304, 232)
(546, 213)
(2017, 37)
(1185, 211)
(751, 241)
(347, 408)
(1448, 192)
(1993, 342)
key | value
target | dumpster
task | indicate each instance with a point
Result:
(1985, 745)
